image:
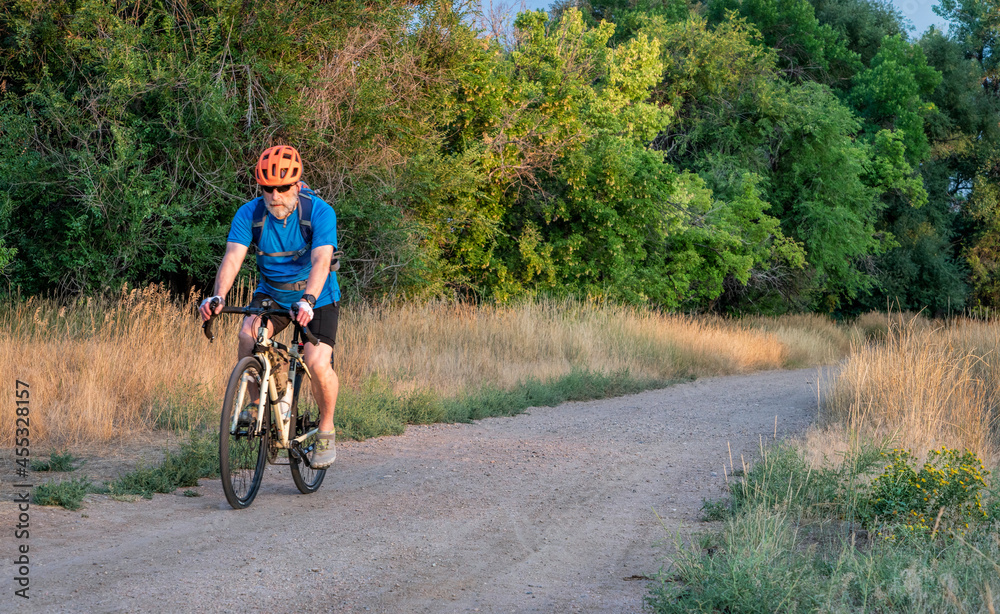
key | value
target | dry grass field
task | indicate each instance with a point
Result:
(922, 385)
(103, 369)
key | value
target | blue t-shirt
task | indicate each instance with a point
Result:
(284, 236)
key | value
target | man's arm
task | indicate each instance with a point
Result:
(228, 270)
(320, 257)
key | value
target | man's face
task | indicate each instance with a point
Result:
(281, 204)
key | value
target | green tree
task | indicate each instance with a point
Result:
(984, 253)
(627, 15)
(976, 24)
(738, 118)
(861, 23)
(928, 268)
(569, 196)
(829, 185)
(806, 49)
(891, 94)
(967, 137)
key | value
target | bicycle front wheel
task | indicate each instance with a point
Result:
(305, 412)
(242, 446)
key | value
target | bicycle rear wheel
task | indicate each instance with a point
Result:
(242, 447)
(305, 413)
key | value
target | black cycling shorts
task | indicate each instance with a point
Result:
(323, 324)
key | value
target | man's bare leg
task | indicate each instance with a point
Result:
(325, 386)
(325, 383)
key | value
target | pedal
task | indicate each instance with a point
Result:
(301, 454)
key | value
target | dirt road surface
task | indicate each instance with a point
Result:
(550, 511)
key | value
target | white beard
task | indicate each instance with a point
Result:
(281, 211)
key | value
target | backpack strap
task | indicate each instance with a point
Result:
(305, 216)
(259, 215)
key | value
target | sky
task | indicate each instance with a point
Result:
(917, 11)
(920, 14)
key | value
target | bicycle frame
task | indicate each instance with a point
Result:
(267, 381)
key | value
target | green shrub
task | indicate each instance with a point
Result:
(68, 494)
(57, 462)
(945, 494)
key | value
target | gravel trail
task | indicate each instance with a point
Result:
(554, 510)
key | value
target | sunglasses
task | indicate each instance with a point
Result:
(281, 189)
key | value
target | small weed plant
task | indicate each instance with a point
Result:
(58, 461)
(945, 495)
(197, 458)
(68, 494)
(712, 511)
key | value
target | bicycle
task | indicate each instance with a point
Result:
(251, 435)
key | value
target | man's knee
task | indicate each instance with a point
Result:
(319, 362)
(319, 367)
(246, 339)
(248, 332)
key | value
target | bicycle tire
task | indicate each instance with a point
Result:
(305, 413)
(243, 451)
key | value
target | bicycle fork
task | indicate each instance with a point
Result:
(241, 395)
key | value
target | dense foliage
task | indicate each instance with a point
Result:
(744, 155)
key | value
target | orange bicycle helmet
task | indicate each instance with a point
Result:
(277, 166)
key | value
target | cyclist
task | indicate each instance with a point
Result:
(293, 273)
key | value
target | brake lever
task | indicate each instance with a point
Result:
(305, 329)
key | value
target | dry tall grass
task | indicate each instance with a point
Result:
(101, 369)
(924, 387)
(451, 348)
